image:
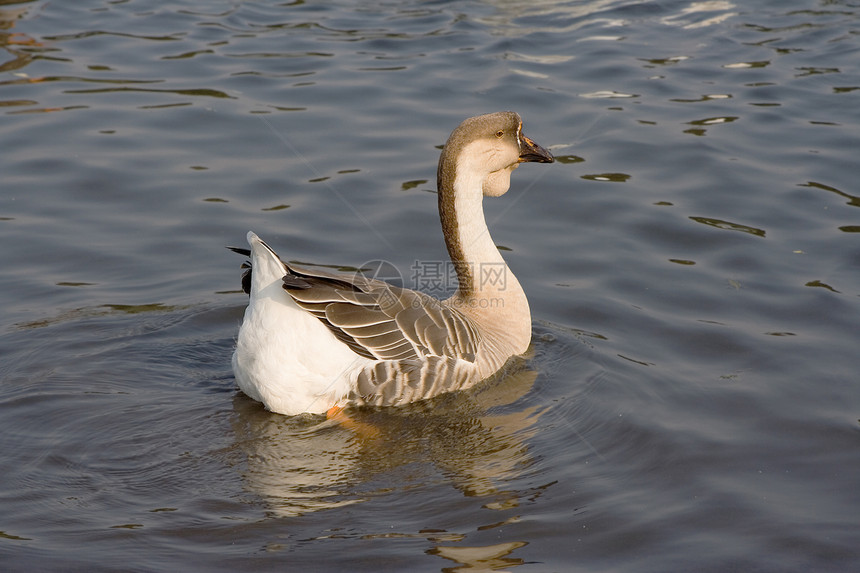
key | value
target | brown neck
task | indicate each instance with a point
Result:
(445, 177)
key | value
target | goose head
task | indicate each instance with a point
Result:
(488, 148)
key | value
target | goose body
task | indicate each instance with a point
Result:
(312, 340)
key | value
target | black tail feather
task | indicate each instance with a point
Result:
(241, 251)
(246, 276)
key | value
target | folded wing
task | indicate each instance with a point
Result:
(381, 321)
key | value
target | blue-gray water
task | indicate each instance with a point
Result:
(691, 398)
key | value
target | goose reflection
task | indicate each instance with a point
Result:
(302, 464)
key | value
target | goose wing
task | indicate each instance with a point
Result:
(380, 321)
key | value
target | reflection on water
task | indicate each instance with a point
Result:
(303, 464)
(14, 44)
(701, 14)
(97, 311)
(717, 223)
(296, 464)
(488, 558)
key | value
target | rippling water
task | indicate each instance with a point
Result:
(691, 397)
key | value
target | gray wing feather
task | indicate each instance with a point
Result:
(385, 322)
(357, 317)
(392, 382)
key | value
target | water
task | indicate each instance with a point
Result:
(691, 398)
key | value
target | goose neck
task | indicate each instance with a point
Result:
(470, 246)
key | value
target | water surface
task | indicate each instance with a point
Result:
(691, 397)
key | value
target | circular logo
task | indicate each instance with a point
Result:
(383, 271)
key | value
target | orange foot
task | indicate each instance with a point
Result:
(364, 431)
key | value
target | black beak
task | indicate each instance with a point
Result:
(531, 151)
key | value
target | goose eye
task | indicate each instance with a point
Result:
(500, 133)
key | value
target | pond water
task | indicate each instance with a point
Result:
(691, 397)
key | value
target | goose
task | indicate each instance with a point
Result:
(315, 342)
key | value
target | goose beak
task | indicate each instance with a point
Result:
(531, 151)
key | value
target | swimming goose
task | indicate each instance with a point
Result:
(311, 341)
